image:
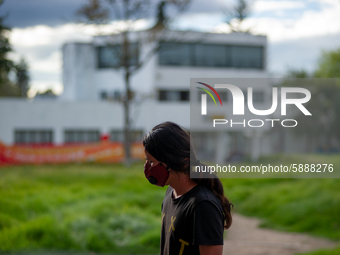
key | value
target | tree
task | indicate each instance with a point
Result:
(123, 44)
(7, 88)
(22, 76)
(323, 126)
(237, 14)
(298, 73)
(329, 65)
(46, 94)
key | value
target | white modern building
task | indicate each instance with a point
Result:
(89, 74)
(93, 86)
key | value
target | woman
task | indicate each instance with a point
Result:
(195, 212)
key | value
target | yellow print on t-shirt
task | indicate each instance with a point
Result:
(184, 243)
(172, 224)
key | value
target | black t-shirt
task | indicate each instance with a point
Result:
(193, 219)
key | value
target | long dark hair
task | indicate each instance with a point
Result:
(170, 144)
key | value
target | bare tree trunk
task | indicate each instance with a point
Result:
(127, 128)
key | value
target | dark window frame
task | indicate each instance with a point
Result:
(229, 61)
(33, 136)
(115, 49)
(72, 135)
(137, 135)
(183, 95)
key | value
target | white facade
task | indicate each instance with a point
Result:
(84, 80)
(19, 114)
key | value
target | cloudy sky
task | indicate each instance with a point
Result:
(297, 32)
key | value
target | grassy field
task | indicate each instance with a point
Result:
(111, 209)
(102, 208)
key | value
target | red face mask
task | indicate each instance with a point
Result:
(157, 175)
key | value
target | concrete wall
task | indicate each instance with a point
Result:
(78, 72)
(104, 116)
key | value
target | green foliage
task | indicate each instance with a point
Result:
(101, 208)
(335, 251)
(7, 87)
(21, 71)
(324, 105)
(297, 73)
(329, 65)
(297, 205)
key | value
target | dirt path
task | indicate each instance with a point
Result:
(246, 238)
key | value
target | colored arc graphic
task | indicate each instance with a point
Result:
(212, 90)
(208, 94)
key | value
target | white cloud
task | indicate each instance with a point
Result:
(260, 6)
(205, 21)
(41, 47)
(310, 23)
(50, 64)
(44, 35)
(299, 54)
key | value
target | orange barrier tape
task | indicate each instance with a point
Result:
(54, 154)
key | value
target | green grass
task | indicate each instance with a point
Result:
(335, 251)
(102, 208)
(111, 209)
(297, 205)
(309, 206)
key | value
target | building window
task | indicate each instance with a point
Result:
(210, 55)
(118, 136)
(33, 136)
(176, 54)
(185, 96)
(81, 136)
(173, 95)
(247, 57)
(117, 95)
(104, 95)
(111, 56)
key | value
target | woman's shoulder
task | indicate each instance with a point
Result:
(168, 193)
(169, 190)
(204, 195)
